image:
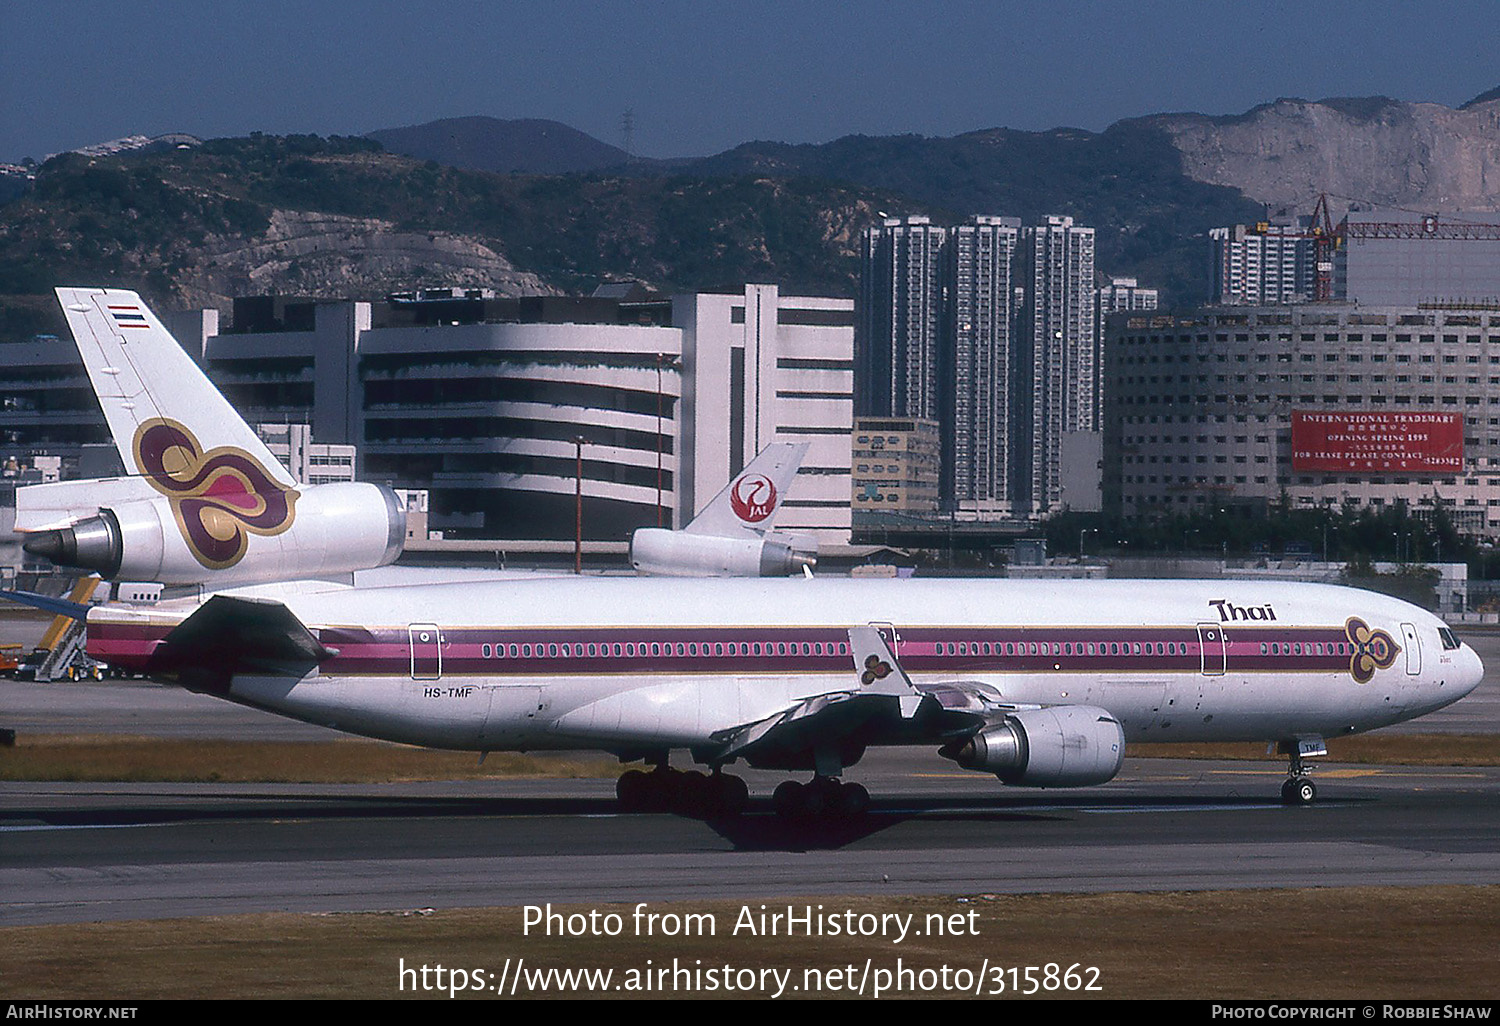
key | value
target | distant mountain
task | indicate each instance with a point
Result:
(1484, 97)
(523, 146)
(346, 217)
(1127, 182)
(339, 217)
(1371, 151)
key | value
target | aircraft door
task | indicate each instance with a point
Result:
(512, 715)
(1413, 645)
(1213, 649)
(426, 651)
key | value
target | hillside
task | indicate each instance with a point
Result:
(1127, 182)
(517, 146)
(1369, 150)
(340, 217)
(343, 216)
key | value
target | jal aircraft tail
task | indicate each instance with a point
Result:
(749, 503)
(144, 379)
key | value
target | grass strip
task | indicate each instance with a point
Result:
(105, 757)
(94, 757)
(1362, 944)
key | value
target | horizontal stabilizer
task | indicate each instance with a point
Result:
(229, 635)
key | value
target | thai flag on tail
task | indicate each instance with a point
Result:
(128, 316)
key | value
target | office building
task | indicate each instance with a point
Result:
(1007, 330)
(1403, 258)
(1264, 264)
(979, 408)
(895, 469)
(1329, 405)
(759, 367)
(901, 356)
(1058, 371)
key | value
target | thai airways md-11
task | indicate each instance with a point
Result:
(1039, 683)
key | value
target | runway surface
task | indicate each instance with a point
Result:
(83, 852)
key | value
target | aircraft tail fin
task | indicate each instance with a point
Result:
(139, 373)
(749, 503)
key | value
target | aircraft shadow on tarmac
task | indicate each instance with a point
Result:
(759, 829)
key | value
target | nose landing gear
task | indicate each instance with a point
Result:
(1298, 788)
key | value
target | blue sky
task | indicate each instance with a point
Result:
(703, 76)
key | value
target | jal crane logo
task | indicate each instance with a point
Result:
(753, 498)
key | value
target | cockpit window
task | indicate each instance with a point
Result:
(1446, 636)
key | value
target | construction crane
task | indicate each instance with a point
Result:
(1325, 241)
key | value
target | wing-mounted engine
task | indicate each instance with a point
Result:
(233, 534)
(680, 554)
(1057, 746)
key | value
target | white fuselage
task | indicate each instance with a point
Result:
(626, 664)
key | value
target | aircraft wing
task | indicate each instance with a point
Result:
(882, 703)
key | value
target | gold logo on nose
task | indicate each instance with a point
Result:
(1374, 649)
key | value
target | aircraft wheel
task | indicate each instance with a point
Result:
(787, 798)
(821, 798)
(691, 793)
(730, 795)
(631, 791)
(1299, 791)
(853, 800)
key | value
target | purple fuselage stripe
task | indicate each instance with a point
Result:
(571, 651)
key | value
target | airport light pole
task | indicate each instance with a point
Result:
(1081, 533)
(660, 357)
(578, 505)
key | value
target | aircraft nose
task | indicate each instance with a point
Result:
(1472, 670)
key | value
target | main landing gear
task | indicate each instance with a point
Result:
(820, 798)
(716, 795)
(689, 793)
(1299, 788)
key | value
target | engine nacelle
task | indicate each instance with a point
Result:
(323, 529)
(655, 550)
(1060, 746)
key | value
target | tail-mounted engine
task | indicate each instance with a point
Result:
(131, 533)
(1060, 746)
(681, 554)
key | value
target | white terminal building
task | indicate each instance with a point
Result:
(1329, 404)
(491, 405)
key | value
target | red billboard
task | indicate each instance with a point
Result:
(1417, 443)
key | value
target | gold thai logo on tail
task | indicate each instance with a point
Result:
(219, 497)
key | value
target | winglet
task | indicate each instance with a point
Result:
(880, 673)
